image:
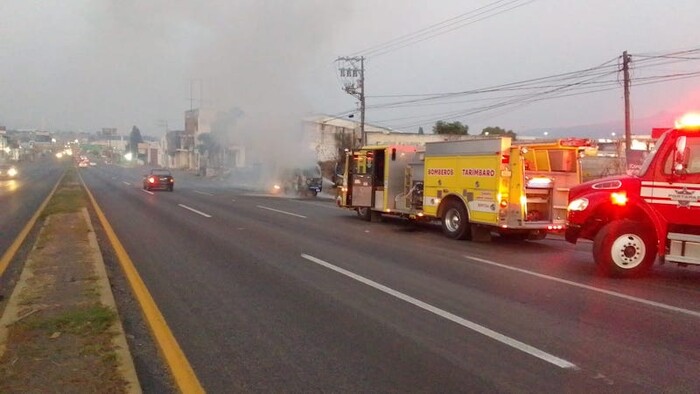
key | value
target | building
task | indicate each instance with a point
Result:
(330, 136)
(198, 121)
(179, 149)
(5, 150)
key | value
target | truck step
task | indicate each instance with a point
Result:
(683, 248)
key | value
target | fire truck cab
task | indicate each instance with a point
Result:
(473, 187)
(632, 220)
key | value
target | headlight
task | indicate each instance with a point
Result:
(12, 171)
(578, 204)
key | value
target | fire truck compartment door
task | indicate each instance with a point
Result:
(362, 190)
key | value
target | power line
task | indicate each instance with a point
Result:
(377, 54)
(510, 106)
(590, 86)
(506, 103)
(597, 70)
(424, 30)
(586, 81)
(440, 28)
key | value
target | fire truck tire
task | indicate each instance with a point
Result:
(624, 249)
(455, 221)
(364, 213)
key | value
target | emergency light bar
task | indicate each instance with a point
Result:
(689, 121)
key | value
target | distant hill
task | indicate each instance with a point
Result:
(640, 126)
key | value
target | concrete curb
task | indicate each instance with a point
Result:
(126, 364)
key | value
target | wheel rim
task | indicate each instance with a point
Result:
(453, 220)
(628, 251)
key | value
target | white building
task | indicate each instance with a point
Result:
(327, 132)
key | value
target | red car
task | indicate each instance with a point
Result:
(159, 179)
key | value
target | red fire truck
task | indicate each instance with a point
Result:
(633, 219)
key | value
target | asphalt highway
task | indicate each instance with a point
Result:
(22, 196)
(278, 294)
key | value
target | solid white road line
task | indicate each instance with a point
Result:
(195, 211)
(147, 191)
(523, 347)
(284, 212)
(126, 183)
(591, 288)
(204, 193)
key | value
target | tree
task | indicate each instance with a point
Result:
(451, 128)
(498, 131)
(420, 131)
(209, 144)
(135, 139)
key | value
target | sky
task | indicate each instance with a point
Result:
(87, 64)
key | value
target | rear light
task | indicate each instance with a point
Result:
(504, 204)
(619, 198)
(151, 180)
(505, 159)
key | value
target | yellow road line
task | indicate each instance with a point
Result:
(19, 240)
(181, 369)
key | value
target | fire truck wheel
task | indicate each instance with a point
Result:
(624, 249)
(455, 221)
(364, 213)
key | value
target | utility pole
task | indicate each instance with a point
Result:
(362, 100)
(628, 128)
(191, 98)
(354, 85)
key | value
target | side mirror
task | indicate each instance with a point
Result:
(679, 156)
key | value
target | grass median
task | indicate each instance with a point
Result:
(59, 335)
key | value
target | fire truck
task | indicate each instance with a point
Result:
(632, 220)
(473, 187)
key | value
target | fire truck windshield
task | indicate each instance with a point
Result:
(650, 157)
